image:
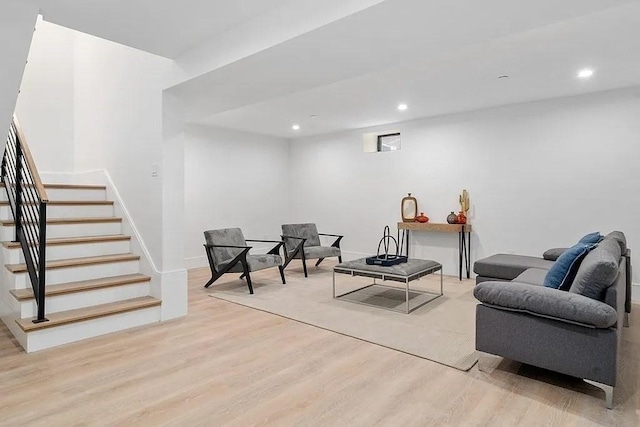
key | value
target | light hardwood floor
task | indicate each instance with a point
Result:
(229, 365)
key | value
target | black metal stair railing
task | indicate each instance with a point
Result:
(28, 201)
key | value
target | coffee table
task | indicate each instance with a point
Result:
(406, 272)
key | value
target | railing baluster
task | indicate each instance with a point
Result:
(18, 212)
(42, 263)
(28, 201)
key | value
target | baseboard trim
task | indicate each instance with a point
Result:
(196, 262)
(350, 255)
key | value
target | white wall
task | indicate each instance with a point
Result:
(539, 175)
(233, 179)
(45, 104)
(118, 126)
(17, 20)
(93, 105)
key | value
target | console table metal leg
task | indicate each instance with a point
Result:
(460, 252)
(407, 248)
(469, 255)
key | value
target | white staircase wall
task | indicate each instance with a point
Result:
(17, 21)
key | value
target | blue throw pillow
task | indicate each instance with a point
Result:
(594, 237)
(565, 265)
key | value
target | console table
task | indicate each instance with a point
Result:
(464, 239)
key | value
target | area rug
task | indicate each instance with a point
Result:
(441, 331)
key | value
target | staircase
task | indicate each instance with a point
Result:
(93, 281)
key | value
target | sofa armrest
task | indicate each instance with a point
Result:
(546, 302)
(553, 254)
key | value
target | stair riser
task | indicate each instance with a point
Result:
(66, 194)
(70, 230)
(68, 211)
(64, 334)
(75, 274)
(55, 304)
(57, 252)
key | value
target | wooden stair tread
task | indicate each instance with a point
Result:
(72, 186)
(77, 262)
(72, 203)
(75, 240)
(83, 285)
(88, 313)
(79, 220)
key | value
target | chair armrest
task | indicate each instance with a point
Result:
(335, 244)
(273, 251)
(206, 245)
(331, 235)
(546, 302)
(553, 253)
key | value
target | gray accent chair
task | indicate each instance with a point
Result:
(227, 252)
(302, 241)
(576, 332)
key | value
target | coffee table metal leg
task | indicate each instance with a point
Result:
(407, 294)
(334, 284)
(441, 290)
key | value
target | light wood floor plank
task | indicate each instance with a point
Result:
(230, 365)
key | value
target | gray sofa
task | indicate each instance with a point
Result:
(576, 332)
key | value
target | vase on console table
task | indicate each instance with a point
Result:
(422, 218)
(461, 218)
(452, 218)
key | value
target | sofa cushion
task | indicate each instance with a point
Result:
(508, 266)
(546, 302)
(598, 270)
(553, 253)
(564, 269)
(532, 276)
(594, 237)
(619, 237)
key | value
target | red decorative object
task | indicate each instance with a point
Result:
(461, 218)
(422, 218)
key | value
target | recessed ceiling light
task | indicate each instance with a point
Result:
(402, 107)
(295, 127)
(585, 73)
(313, 116)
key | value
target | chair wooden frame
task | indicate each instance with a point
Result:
(299, 249)
(242, 259)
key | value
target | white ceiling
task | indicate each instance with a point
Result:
(163, 27)
(437, 56)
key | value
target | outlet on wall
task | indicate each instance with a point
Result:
(155, 170)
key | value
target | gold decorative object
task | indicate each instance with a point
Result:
(464, 201)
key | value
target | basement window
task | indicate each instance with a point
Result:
(381, 142)
(389, 142)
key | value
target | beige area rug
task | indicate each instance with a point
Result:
(442, 331)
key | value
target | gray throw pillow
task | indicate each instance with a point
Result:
(619, 237)
(598, 270)
(553, 253)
